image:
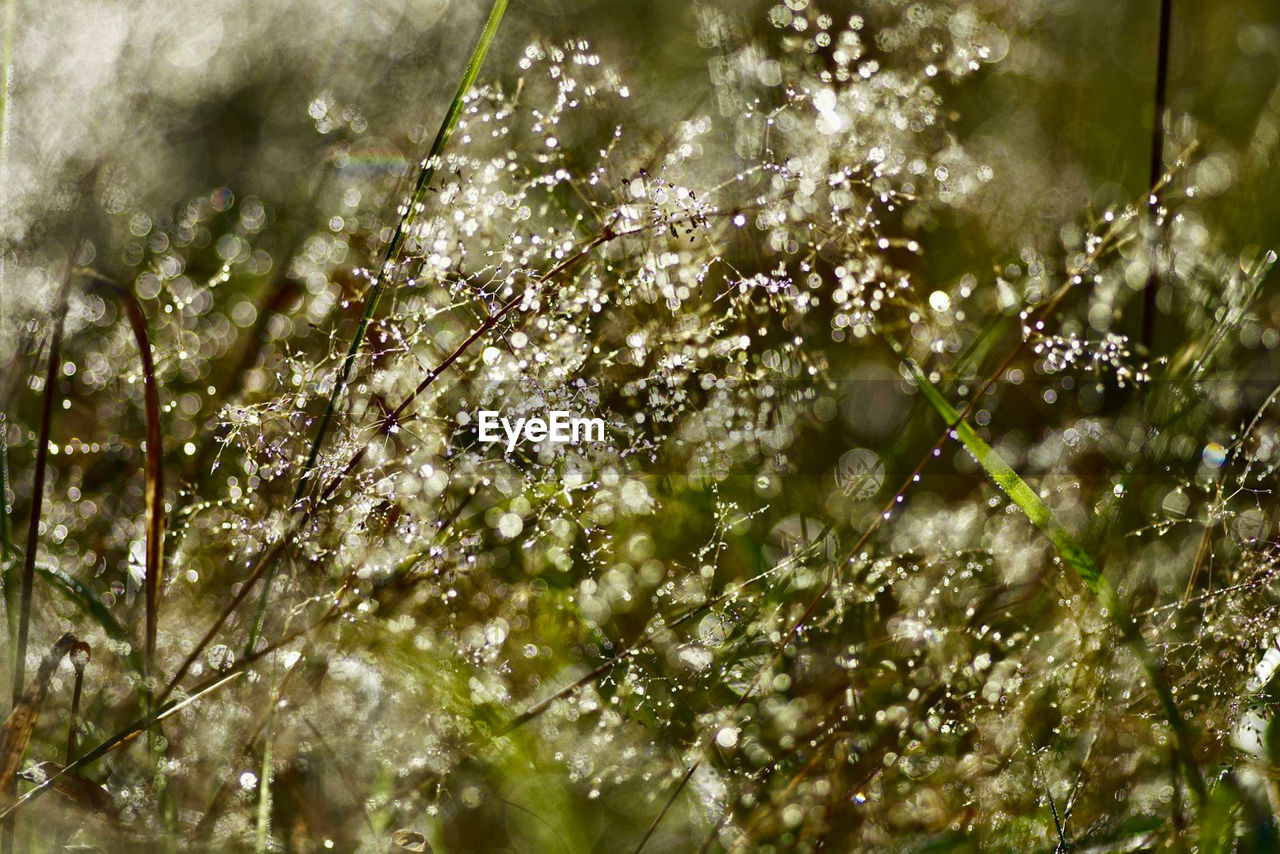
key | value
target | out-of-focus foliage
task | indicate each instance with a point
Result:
(777, 608)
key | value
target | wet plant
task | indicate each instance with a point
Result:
(911, 527)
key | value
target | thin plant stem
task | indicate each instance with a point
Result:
(79, 658)
(48, 405)
(1152, 287)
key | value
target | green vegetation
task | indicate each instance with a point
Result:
(938, 349)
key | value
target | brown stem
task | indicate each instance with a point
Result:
(154, 457)
(9, 786)
(80, 654)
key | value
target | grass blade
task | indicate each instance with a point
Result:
(6, 85)
(1014, 486)
(8, 552)
(6, 533)
(8, 784)
(154, 455)
(425, 175)
(83, 596)
(155, 469)
(1074, 556)
(37, 499)
(264, 799)
(1152, 287)
(47, 407)
(1217, 820)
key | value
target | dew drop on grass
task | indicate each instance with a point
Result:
(1214, 455)
(220, 657)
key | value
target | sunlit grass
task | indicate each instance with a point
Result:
(910, 530)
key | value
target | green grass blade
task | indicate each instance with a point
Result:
(425, 175)
(1218, 819)
(1013, 485)
(1074, 556)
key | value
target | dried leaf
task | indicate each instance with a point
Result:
(76, 788)
(22, 720)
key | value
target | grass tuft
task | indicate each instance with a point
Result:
(1075, 557)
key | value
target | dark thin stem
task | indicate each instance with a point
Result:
(7, 551)
(78, 660)
(52, 371)
(1157, 171)
(657, 820)
(47, 408)
(154, 455)
(1062, 845)
(6, 535)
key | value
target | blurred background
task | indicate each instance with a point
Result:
(174, 101)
